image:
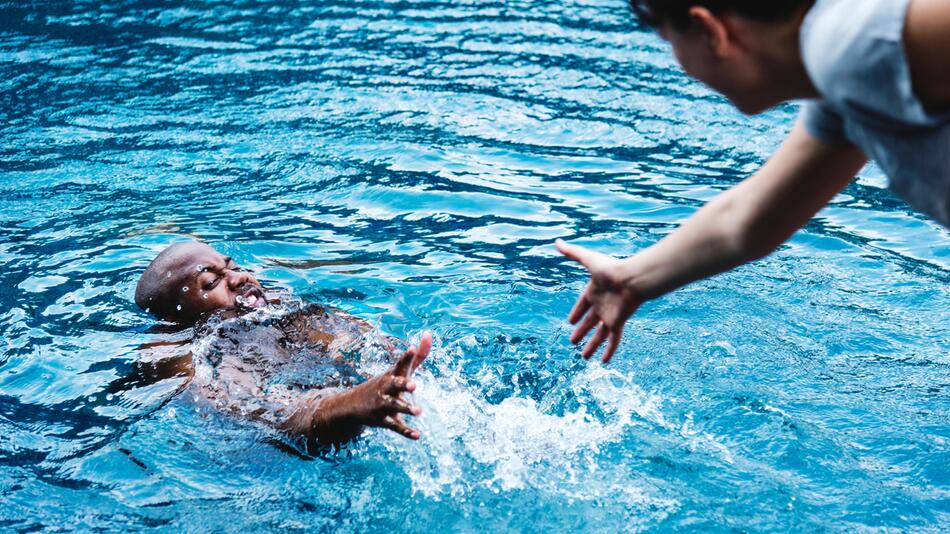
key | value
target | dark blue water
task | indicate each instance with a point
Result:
(412, 163)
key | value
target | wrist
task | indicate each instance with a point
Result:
(631, 277)
(323, 419)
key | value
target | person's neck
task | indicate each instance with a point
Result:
(781, 50)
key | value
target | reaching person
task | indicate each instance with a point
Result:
(876, 74)
(290, 366)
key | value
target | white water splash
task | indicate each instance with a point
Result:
(520, 443)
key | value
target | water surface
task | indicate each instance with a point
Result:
(412, 163)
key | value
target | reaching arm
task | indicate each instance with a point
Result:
(926, 41)
(331, 419)
(741, 225)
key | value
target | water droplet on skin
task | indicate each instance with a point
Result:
(168, 274)
(178, 307)
(184, 288)
(200, 267)
(204, 295)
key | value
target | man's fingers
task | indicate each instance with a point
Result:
(404, 365)
(586, 326)
(425, 344)
(580, 308)
(395, 424)
(400, 384)
(615, 337)
(401, 406)
(595, 341)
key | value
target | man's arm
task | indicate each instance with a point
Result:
(159, 360)
(741, 225)
(322, 419)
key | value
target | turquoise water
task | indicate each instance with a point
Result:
(412, 163)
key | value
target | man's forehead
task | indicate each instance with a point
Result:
(197, 256)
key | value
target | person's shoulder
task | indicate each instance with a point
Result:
(848, 44)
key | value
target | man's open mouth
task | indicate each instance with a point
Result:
(251, 297)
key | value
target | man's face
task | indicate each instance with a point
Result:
(206, 280)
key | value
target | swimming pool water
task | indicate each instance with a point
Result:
(412, 162)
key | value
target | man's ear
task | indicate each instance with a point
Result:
(713, 28)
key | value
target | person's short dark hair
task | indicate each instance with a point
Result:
(676, 12)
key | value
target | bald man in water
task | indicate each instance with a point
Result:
(191, 283)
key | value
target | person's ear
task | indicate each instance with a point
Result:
(714, 30)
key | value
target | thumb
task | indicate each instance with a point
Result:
(575, 252)
(423, 350)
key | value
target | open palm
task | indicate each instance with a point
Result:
(606, 303)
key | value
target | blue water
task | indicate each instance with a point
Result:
(412, 163)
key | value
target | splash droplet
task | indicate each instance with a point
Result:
(184, 288)
(200, 267)
(178, 307)
(168, 274)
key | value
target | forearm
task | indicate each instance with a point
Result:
(749, 221)
(708, 243)
(322, 419)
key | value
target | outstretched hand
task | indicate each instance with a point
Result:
(381, 401)
(606, 303)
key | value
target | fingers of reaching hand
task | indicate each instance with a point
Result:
(613, 343)
(574, 252)
(595, 341)
(395, 423)
(585, 327)
(580, 308)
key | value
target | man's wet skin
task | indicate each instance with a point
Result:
(276, 385)
(208, 280)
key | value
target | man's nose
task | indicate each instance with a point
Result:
(237, 278)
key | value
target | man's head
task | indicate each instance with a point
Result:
(188, 279)
(744, 49)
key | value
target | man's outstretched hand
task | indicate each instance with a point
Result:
(380, 401)
(606, 303)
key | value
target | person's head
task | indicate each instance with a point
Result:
(740, 48)
(191, 278)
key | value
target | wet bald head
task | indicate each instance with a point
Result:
(158, 290)
(189, 279)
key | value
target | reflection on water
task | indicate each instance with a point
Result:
(411, 163)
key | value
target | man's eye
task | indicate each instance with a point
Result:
(208, 286)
